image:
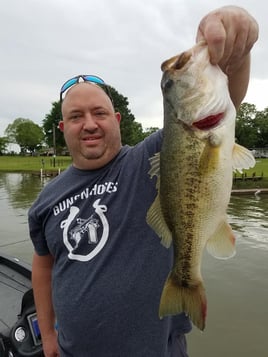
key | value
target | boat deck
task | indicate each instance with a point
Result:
(15, 280)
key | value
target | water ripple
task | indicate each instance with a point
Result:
(249, 219)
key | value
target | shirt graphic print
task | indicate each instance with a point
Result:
(85, 237)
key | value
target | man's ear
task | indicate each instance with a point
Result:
(61, 125)
(118, 116)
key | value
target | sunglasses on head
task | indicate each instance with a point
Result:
(86, 78)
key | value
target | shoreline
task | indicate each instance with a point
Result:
(250, 191)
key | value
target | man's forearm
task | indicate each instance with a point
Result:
(238, 82)
(41, 281)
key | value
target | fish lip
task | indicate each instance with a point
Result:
(209, 122)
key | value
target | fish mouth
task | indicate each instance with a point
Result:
(209, 122)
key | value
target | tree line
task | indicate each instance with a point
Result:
(251, 128)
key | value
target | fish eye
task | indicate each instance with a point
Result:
(167, 84)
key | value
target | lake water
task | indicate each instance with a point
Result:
(237, 289)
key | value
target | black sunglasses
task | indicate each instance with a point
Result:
(86, 78)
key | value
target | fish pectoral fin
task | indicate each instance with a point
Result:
(157, 222)
(242, 158)
(155, 165)
(154, 217)
(222, 244)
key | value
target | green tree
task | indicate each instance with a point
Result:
(149, 131)
(24, 132)
(51, 127)
(131, 131)
(261, 127)
(3, 145)
(245, 129)
(11, 130)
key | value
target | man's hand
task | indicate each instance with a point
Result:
(50, 345)
(230, 33)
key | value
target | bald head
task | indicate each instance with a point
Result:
(86, 89)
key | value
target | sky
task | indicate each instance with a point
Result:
(44, 43)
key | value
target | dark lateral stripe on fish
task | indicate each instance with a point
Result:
(209, 122)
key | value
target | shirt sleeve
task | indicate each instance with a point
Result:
(37, 233)
(153, 142)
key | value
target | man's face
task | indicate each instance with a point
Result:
(90, 125)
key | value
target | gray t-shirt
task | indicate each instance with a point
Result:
(109, 267)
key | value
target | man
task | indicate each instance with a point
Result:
(95, 256)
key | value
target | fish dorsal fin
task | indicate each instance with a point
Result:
(222, 244)
(242, 158)
(154, 216)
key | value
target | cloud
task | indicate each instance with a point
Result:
(125, 42)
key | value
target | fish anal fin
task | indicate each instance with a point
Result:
(222, 244)
(191, 300)
(242, 158)
(157, 222)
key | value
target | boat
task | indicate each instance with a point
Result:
(19, 331)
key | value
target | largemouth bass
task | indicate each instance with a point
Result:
(194, 170)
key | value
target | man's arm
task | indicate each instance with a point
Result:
(230, 33)
(41, 281)
(238, 82)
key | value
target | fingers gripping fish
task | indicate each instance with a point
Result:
(194, 176)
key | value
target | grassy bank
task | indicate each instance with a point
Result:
(255, 177)
(29, 163)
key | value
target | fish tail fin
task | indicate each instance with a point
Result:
(191, 300)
